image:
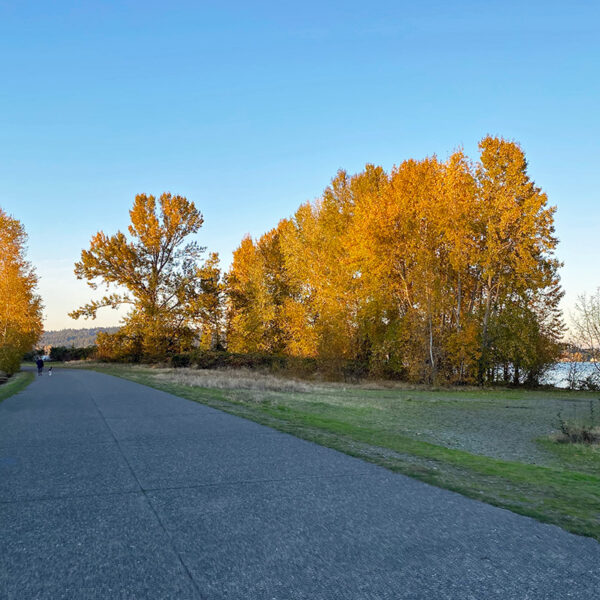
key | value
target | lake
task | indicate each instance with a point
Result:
(559, 374)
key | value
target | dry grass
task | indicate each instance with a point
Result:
(252, 379)
(577, 434)
(237, 379)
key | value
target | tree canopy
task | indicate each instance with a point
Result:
(434, 271)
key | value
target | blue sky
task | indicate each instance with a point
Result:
(249, 109)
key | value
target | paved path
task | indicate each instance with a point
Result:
(112, 490)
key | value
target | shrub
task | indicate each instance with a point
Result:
(590, 383)
(355, 370)
(336, 369)
(584, 431)
(180, 360)
(62, 353)
(119, 347)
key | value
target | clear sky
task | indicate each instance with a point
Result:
(249, 109)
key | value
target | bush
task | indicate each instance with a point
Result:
(118, 347)
(580, 431)
(10, 358)
(62, 353)
(180, 360)
(335, 369)
(590, 383)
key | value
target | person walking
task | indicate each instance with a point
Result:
(40, 365)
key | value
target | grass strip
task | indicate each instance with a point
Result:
(564, 497)
(19, 381)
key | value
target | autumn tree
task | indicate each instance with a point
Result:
(316, 265)
(403, 246)
(517, 241)
(20, 306)
(157, 273)
(208, 306)
(257, 289)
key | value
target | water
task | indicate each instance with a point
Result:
(560, 373)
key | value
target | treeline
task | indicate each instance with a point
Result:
(63, 353)
(574, 353)
(438, 271)
(78, 338)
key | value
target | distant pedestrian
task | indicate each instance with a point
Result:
(40, 365)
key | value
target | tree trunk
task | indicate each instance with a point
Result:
(483, 361)
(458, 303)
(431, 358)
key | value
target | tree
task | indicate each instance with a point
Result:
(20, 306)
(516, 236)
(257, 289)
(156, 273)
(586, 325)
(209, 303)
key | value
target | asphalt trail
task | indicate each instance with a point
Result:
(112, 490)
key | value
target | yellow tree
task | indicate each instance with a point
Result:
(400, 243)
(317, 248)
(516, 233)
(20, 306)
(362, 294)
(250, 308)
(276, 285)
(258, 288)
(458, 217)
(207, 307)
(300, 308)
(155, 272)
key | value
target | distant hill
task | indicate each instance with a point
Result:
(80, 338)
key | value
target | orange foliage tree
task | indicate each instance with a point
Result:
(173, 296)
(20, 306)
(257, 289)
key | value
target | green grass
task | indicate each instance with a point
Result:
(19, 381)
(578, 457)
(492, 445)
